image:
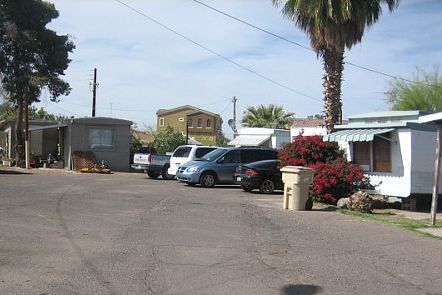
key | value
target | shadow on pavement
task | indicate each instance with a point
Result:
(256, 192)
(300, 289)
(219, 187)
(325, 209)
(13, 172)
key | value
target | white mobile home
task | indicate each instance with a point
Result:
(393, 149)
(263, 137)
(307, 127)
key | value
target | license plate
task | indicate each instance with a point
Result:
(238, 178)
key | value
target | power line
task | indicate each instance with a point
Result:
(252, 25)
(60, 108)
(216, 53)
(301, 45)
(141, 110)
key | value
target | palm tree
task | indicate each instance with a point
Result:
(271, 116)
(332, 26)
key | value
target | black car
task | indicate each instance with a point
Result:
(263, 175)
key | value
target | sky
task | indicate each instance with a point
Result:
(143, 67)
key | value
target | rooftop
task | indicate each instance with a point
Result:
(184, 107)
(388, 114)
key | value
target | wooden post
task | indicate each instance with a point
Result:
(436, 175)
(27, 145)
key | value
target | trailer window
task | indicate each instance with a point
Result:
(101, 139)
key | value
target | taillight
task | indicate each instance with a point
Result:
(250, 172)
(149, 158)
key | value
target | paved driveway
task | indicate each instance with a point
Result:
(125, 234)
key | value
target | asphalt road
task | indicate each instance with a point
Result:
(126, 234)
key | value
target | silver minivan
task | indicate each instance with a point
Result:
(218, 166)
(187, 153)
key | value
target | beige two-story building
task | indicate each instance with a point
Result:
(203, 125)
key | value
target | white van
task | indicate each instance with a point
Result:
(187, 153)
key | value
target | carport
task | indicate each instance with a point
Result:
(48, 142)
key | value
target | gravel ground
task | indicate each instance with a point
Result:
(67, 233)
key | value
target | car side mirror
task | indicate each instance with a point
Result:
(220, 160)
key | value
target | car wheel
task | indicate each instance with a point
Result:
(153, 174)
(246, 188)
(165, 174)
(208, 179)
(267, 186)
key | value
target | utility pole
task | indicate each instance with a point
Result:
(234, 100)
(94, 92)
(187, 129)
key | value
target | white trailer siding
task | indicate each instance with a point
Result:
(398, 182)
(307, 131)
(423, 154)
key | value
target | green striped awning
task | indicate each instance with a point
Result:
(355, 134)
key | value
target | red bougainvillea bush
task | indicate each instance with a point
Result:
(307, 150)
(334, 177)
(334, 180)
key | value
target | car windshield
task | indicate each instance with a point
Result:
(213, 155)
(182, 152)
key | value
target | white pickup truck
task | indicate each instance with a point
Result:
(153, 164)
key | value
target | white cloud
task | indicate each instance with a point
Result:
(143, 67)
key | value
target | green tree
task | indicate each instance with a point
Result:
(135, 144)
(222, 140)
(32, 57)
(332, 26)
(167, 139)
(270, 116)
(7, 111)
(425, 94)
(42, 114)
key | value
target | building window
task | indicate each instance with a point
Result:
(200, 123)
(190, 123)
(362, 155)
(381, 155)
(373, 156)
(209, 123)
(161, 122)
(101, 139)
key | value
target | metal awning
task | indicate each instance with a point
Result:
(44, 127)
(249, 140)
(356, 135)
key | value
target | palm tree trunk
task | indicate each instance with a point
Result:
(19, 140)
(333, 62)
